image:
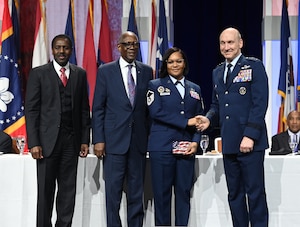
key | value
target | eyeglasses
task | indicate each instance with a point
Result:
(131, 44)
(178, 61)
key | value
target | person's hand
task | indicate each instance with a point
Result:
(37, 152)
(202, 123)
(15, 149)
(246, 145)
(192, 121)
(99, 150)
(192, 149)
(84, 150)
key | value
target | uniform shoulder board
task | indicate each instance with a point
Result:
(252, 58)
(220, 64)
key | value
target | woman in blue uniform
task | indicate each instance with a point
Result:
(173, 103)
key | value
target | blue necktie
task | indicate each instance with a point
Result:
(131, 85)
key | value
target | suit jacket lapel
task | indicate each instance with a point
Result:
(73, 79)
(285, 138)
(118, 82)
(138, 82)
(54, 79)
(220, 76)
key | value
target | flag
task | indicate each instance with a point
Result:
(153, 38)
(162, 39)
(12, 118)
(286, 87)
(40, 49)
(89, 55)
(298, 71)
(133, 27)
(70, 31)
(15, 22)
(104, 46)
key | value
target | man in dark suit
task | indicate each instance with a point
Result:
(280, 142)
(120, 129)
(240, 102)
(58, 129)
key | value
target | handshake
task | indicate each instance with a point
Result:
(200, 122)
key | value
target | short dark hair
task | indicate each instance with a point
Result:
(62, 36)
(163, 72)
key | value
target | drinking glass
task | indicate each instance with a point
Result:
(293, 145)
(20, 141)
(204, 142)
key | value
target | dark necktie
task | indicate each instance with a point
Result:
(180, 88)
(228, 73)
(63, 76)
(296, 142)
(179, 82)
(131, 85)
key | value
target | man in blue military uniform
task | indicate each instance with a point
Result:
(240, 101)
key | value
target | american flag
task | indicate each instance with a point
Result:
(180, 147)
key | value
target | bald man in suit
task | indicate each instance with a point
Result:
(239, 102)
(120, 130)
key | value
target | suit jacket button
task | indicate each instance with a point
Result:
(181, 112)
(227, 117)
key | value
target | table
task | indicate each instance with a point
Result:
(209, 207)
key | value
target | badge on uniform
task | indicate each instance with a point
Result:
(242, 90)
(244, 75)
(150, 97)
(163, 91)
(194, 94)
(245, 67)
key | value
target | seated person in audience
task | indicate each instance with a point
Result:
(7, 144)
(280, 142)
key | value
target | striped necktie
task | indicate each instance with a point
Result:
(131, 85)
(63, 76)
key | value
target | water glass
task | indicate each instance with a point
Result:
(293, 145)
(21, 141)
(204, 142)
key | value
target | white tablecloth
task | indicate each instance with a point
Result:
(209, 207)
